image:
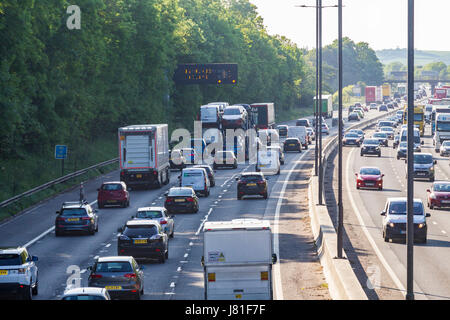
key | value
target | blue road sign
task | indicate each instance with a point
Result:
(60, 152)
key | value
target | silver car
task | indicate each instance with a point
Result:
(120, 275)
(159, 214)
(86, 293)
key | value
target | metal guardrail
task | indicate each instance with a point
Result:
(55, 182)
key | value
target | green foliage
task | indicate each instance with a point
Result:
(76, 87)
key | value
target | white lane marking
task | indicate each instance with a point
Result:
(93, 202)
(444, 232)
(179, 269)
(186, 255)
(108, 245)
(386, 265)
(96, 257)
(172, 285)
(434, 222)
(28, 244)
(276, 242)
(83, 271)
(203, 222)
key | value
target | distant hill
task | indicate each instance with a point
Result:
(421, 58)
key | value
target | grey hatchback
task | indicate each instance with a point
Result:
(121, 276)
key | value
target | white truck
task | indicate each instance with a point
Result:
(144, 155)
(442, 126)
(210, 116)
(379, 94)
(300, 133)
(237, 260)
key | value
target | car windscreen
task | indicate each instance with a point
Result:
(140, 231)
(446, 143)
(387, 129)
(10, 259)
(351, 135)
(112, 187)
(441, 187)
(180, 193)
(423, 158)
(399, 207)
(113, 266)
(371, 142)
(404, 145)
(380, 135)
(303, 123)
(83, 297)
(385, 124)
(231, 112)
(207, 168)
(152, 214)
(370, 171)
(75, 212)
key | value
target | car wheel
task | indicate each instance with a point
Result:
(124, 204)
(386, 239)
(92, 232)
(432, 179)
(100, 205)
(128, 203)
(398, 158)
(196, 209)
(278, 173)
(431, 206)
(239, 197)
(265, 196)
(172, 234)
(57, 233)
(379, 155)
(166, 255)
(162, 258)
(28, 293)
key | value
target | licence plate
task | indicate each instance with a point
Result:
(3, 272)
(111, 201)
(420, 174)
(179, 200)
(292, 145)
(251, 184)
(140, 241)
(139, 176)
(73, 219)
(445, 201)
(113, 288)
(262, 165)
(370, 183)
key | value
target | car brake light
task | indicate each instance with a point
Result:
(21, 270)
(163, 222)
(190, 199)
(169, 199)
(60, 219)
(96, 276)
(211, 277)
(130, 275)
(261, 182)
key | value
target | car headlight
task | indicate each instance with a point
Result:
(421, 225)
(391, 224)
(380, 179)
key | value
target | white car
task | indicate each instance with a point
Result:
(86, 293)
(18, 273)
(444, 150)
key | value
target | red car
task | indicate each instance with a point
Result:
(439, 195)
(369, 177)
(113, 193)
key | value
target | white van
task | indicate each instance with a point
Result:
(300, 133)
(197, 179)
(210, 115)
(268, 162)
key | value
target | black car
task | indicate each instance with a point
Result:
(251, 183)
(282, 130)
(143, 239)
(210, 173)
(382, 137)
(181, 199)
(390, 106)
(353, 117)
(292, 144)
(383, 107)
(76, 216)
(371, 146)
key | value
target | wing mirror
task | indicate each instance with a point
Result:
(132, 217)
(57, 212)
(382, 175)
(274, 258)
(428, 190)
(166, 193)
(34, 258)
(428, 215)
(98, 189)
(120, 230)
(383, 213)
(435, 161)
(422, 143)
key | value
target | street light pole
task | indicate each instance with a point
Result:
(410, 157)
(316, 102)
(320, 106)
(340, 128)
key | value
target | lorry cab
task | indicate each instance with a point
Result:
(237, 260)
(197, 179)
(300, 133)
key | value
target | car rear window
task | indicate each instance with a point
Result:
(180, 193)
(291, 140)
(442, 187)
(400, 208)
(254, 178)
(371, 142)
(149, 214)
(118, 266)
(140, 231)
(112, 187)
(75, 212)
(7, 259)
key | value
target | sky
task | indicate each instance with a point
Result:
(381, 23)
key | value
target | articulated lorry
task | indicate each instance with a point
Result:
(441, 126)
(237, 260)
(327, 106)
(264, 114)
(144, 155)
(370, 95)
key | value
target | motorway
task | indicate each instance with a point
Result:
(181, 277)
(431, 260)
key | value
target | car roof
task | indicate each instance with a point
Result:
(85, 290)
(252, 174)
(369, 168)
(403, 199)
(151, 209)
(11, 250)
(117, 258)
